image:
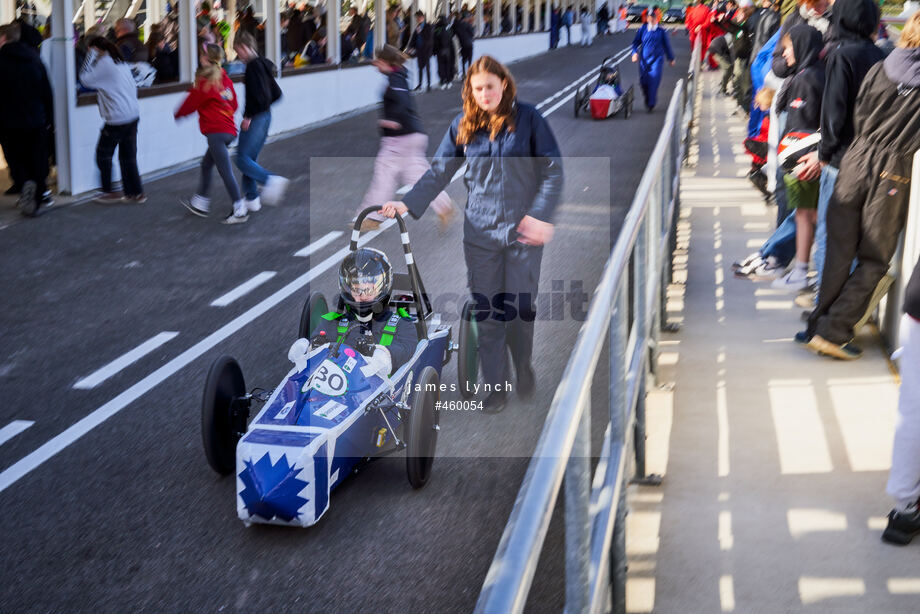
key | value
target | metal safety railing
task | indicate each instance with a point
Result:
(595, 508)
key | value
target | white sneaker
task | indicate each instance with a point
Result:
(240, 213)
(253, 205)
(199, 205)
(794, 280)
(274, 188)
(748, 264)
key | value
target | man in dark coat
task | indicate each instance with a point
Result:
(603, 18)
(26, 113)
(463, 30)
(444, 50)
(128, 42)
(421, 46)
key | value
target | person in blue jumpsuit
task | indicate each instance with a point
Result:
(514, 180)
(650, 48)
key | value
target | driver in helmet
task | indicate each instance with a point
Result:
(385, 336)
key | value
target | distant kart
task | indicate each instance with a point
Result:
(675, 14)
(333, 411)
(606, 97)
(634, 12)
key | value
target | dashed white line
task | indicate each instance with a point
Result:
(100, 375)
(243, 289)
(13, 428)
(319, 243)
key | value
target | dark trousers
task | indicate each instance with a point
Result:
(123, 137)
(424, 69)
(466, 57)
(865, 217)
(27, 154)
(502, 277)
(727, 72)
(14, 165)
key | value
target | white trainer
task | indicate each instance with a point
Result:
(253, 205)
(274, 188)
(240, 213)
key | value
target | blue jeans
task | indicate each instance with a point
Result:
(250, 144)
(781, 244)
(828, 179)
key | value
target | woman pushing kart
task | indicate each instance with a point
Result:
(514, 180)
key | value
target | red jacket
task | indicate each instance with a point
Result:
(215, 106)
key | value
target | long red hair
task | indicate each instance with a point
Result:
(474, 118)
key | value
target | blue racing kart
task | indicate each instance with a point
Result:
(333, 411)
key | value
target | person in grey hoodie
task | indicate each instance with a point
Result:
(868, 208)
(105, 71)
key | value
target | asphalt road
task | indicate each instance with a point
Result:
(118, 510)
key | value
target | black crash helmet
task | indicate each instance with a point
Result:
(365, 281)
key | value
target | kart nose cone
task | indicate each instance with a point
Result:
(272, 490)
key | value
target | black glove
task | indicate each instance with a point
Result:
(365, 346)
(320, 339)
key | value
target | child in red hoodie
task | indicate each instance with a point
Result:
(214, 98)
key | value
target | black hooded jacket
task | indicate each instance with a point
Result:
(848, 59)
(464, 33)
(261, 87)
(398, 105)
(795, 18)
(25, 93)
(801, 94)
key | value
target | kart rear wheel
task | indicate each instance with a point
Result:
(224, 384)
(313, 311)
(581, 97)
(468, 351)
(422, 428)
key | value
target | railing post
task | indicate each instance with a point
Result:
(618, 339)
(578, 520)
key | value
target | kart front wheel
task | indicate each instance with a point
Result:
(313, 311)
(218, 429)
(422, 431)
(468, 351)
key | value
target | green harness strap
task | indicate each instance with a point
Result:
(341, 329)
(390, 329)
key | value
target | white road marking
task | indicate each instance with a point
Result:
(100, 375)
(319, 243)
(13, 428)
(243, 289)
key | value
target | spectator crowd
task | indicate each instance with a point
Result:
(833, 107)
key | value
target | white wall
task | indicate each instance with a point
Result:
(308, 98)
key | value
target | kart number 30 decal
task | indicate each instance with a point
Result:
(328, 379)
